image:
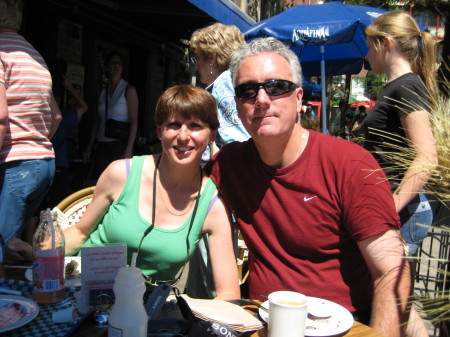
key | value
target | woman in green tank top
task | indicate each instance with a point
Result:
(160, 205)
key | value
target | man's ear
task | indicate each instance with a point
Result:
(299, 99)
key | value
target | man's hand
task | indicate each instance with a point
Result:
(17, 251)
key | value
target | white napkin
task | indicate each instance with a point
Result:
(223, 312)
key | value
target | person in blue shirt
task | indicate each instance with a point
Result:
(76, 108)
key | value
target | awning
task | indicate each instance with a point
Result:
(226, 12)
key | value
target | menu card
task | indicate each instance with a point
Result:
(100, 267)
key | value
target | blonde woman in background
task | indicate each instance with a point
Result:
(406, 55)
(212, 48)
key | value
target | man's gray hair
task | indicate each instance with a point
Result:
(266, 45)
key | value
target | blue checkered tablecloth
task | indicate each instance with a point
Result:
(42, 325)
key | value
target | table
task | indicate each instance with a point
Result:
(88, 329)
(358, 330)
(38, 326)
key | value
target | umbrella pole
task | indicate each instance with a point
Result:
(324, 93)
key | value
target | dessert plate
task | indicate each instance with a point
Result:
(16, 311)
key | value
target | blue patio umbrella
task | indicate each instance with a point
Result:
(329, 38)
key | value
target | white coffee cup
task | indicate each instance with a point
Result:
(66, 315)
(287, 314)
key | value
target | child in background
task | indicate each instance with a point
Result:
(72, 113)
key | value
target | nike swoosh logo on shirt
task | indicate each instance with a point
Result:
(308, 199)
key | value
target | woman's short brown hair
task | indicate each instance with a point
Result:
(188, 102)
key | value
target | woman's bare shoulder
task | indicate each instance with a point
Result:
(113, 179)
(117, 171)
(218, 215)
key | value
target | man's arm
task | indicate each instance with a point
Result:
(384, 255)
(18, 251)
(3, 113)
(56, 117)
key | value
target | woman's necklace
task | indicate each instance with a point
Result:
(183, 212)
(152, 225)
(188, 207)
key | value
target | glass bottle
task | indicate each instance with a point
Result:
(48, 260)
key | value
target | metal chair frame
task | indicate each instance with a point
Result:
(432, 275)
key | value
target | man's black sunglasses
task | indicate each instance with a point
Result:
(271, 87)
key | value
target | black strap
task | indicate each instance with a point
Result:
(195, 327)
(106, 101)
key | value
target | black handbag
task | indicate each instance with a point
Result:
(173, 318)
(113, 128)
(117, 130)
(179, 320)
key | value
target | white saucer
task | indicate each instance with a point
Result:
(340, 320)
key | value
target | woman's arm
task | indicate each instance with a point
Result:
(223, 261)
(82, 106)
(107, 190)
(132, 104)
(418, 130)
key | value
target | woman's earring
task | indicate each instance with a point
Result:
(211, 67)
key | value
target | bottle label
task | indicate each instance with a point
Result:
(48, 270)
(114, 332)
